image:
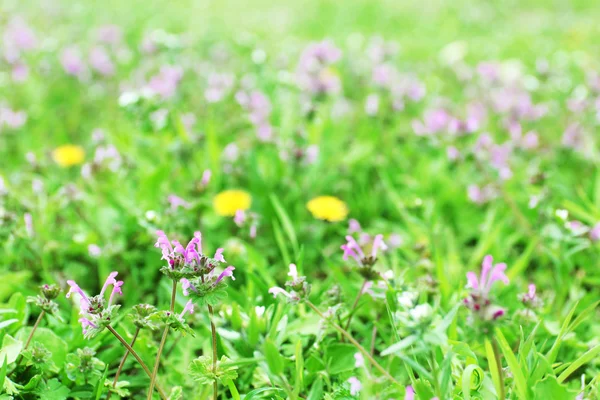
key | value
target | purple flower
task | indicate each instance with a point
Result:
(189, 308)
(240, 217)
(12, 119)
(595, 233)
(359, 360)
(72, 61)
(355, 250)
(452, 153)
(100, 61)
(20, 72)
(478, 300)
(175, 202)
(355, 385)
(93, 308)
(410, 393)
(353, 226)
(384, 74)
(573, 137)
(28, 224)
(94, 250)
(205, 177)
(314, 74)
(489, 274)
(228, 272)
(109, 34)
(18, 37)
(219, 85)
(164, 84)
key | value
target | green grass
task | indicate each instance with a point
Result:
(392, 181)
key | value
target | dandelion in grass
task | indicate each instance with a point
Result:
(479, 300)
(96, 312)
(328, 208)
(226, 203)
(68, 155)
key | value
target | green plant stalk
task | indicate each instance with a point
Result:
(122, 363)
(137, 357)
(37, 322)
(356, 344)
(213, 331)
(162, 344)
(434, 372)
(498, 366)
(353, 309)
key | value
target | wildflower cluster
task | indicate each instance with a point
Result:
(298, 287)
(45, 300)
(479, 300)
(96, 312)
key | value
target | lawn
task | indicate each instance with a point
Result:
(299, 200)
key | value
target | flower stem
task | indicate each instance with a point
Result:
(137, 357)
(213, 330)
(122, 363)
(37, 322)
(353, 309)
(497, 356)
(355, 343)
(162, 343)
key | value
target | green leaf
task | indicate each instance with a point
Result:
(401, 345)
(491, 358)
(257, 394)
(340, 358)
(11, 348)
(514, 366)
(54, 390)
(274, 359)
(3, 369)
(299, 377)
(472, 379)
(176, 393)
(286, 223)
(584, 359)
(316, 391)
(50, 340)
(550, 388)
(553, 353)
(8, 322)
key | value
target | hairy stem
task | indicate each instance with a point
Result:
(498, 366)
(137, 357)
(355, 343)
(213, 330)
(162, 343)
(122, 363)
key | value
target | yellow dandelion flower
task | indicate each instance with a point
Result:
(328, 208)
(68, 155)
(228, 202)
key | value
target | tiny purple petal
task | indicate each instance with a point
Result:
(219, 255)
(227, 272)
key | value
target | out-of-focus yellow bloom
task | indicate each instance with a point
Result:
(328, 208)
(228, 202)
(68, 155)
